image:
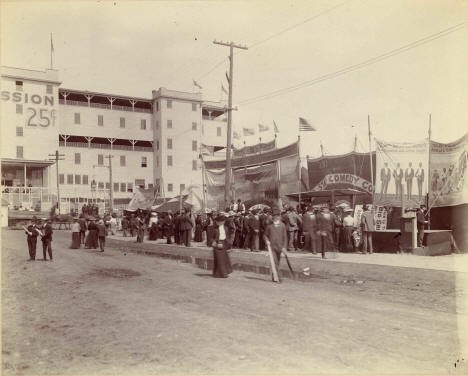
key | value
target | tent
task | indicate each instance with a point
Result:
(173, 205)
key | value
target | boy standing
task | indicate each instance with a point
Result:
(275, 237)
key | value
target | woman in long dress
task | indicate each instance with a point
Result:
(92, 238)
(198, 229)
(348, 228)
(153, 227)
(76, 236)
(221, 262)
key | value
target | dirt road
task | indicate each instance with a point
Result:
(115, 313)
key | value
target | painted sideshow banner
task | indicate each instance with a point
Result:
(255, 183)
(289, 176)
(449, 185)
(350, 170)
(401, 170)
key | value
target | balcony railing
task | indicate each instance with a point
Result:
(105, 146)
(105, 106)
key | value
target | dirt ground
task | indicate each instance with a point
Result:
(122, 313)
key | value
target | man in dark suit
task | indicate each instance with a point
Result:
(83, 228)
(47, 240)
(398, 177)
(32, 239)
(385, 176)
(409, 175)
(421, 222)
(254, 230)
(420, 179)
(168, 226)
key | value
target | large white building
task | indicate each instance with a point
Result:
(150, 142)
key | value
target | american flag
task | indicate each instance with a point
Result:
(305, 125)
(275, 127)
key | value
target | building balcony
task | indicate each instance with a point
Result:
(104, 106)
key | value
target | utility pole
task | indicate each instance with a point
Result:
(57, 157)
(111, 187)
(227, 183)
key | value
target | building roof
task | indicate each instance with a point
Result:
(49, 75)
(27, 162)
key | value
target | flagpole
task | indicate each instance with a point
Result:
(370, 157)
(299, 152)
(429, 174)
(51, 51)
(203, 181)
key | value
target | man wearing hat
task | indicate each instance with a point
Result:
(309, 225)
(325, 225)
(275, 236)
(367, 227)
(421, 221)
(47, 240)
(83, 228)
(102, 233)
(32, 232)
(254, 229)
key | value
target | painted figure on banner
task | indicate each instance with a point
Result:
(398, 177)
(420, 179)
(385, 176)
(409, 175)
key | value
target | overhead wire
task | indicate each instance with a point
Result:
(354, 67)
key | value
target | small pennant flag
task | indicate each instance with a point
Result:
(248, 131)
(236, 135)
(263, 128)
(195, 83)
(227, 78)
(223, 89)
(275, 127)
(305, 126)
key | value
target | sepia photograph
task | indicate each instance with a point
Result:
(231, 187)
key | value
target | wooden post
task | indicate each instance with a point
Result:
(299, 162)
(370, 156)
(428, 203)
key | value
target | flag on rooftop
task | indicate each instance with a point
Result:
(236, 135)
(248, 131)
(263, 128)
(305, 125)
(275, 127)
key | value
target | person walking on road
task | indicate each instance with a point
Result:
(83, 228)
(221, 262)
(275, 237)
(185, 227)
(76, 234)
(102, 233)
(47, 240)
(32, 232)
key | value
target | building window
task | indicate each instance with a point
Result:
(194, 145)
(169, 123)
(19, 152)
(157, 106)
(194, 126)
(61, 178)
(169, 103)
(169, 160)
(100, 120)
(169, 187)
(19, 131)
(100, 159)
(169, 143)
(122, 122)
(116, 187)
(101, 185)
(107, 185)
(69, 178)
(129, 187)
(77, 158)
(144, 162)
(140, 183)
(194, 106)
(49, 89)
(157, 144)
(182, 187)
(19, 108)
(77, 179)
(122, 160)
(157, 161)
(77, 118)
(19, 85)
(218, 131)
(143, 124)
(123, 187)
(194, 164)
(157, 124)
(157, 184)
(85, 179)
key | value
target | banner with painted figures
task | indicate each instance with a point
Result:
(449, 185)
(401, 170)
(255, 183)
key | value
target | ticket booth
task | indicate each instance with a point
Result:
(409, 231)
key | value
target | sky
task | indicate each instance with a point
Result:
(134, 47)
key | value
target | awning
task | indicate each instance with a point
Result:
(327, 193)
(28, 162)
